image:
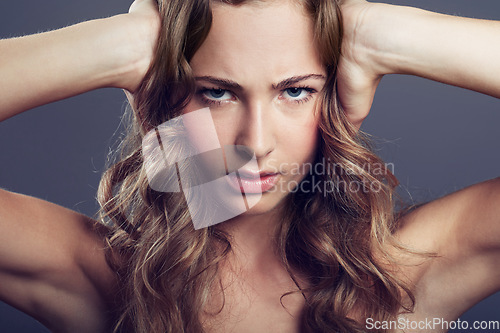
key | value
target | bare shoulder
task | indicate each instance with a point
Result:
(52, 264)
(463, 230)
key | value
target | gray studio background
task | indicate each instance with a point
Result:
(439, 138)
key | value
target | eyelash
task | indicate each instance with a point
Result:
(201, 92)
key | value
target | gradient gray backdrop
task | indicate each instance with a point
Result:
(440, 138)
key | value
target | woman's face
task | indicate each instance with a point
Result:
(259, 73)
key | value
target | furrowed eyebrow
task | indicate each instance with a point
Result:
(296, 79)
(221, 82)
(281, 85)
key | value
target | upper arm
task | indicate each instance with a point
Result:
(52, 264)
(463, 229)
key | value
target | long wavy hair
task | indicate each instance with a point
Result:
(168, 270)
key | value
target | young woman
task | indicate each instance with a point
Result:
(276, 82)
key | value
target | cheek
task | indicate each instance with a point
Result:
(199, 129)
(302, 141)
(227, 127)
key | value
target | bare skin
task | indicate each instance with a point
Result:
(58, 274)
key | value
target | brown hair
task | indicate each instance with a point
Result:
(168, 269)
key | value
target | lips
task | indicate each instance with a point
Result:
(253, 182)
(249, 174)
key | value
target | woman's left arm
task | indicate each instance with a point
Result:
(382, 39)
(463, 228)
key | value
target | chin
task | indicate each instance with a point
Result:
(267, 203)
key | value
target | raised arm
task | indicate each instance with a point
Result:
(462, 228)
(385, 39)
(43, 68)
(52, 263)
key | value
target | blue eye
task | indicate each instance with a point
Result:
(298, 94)
(294, 92)
(215, 96)
(216, 93)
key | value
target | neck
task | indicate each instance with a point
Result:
(254, 241)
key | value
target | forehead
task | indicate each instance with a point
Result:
(270, 39)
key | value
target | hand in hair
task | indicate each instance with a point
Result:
(50, 66)
(357, 80)
(146, 10)
(384, 39)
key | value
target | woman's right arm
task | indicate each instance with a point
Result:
(110, 52)
(52, 263)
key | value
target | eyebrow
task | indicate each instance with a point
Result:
(280, 85)
(296, 79)
(221, 82)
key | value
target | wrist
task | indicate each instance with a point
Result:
(133, 38)
(386, 38)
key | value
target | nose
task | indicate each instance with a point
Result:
(257, 129)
